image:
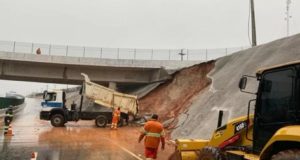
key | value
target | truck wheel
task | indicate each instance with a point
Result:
(57, 120)
(101, 121)
(210, 153)
(291, 154)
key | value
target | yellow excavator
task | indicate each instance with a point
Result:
(272, 132)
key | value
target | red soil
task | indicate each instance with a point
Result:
(174, 96)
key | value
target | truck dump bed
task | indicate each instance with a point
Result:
(109, 98)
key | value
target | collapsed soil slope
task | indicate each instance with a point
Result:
(224, 94)
(174, 96)
(193, 97)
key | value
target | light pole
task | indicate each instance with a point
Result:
(253, 24)
(287, 18)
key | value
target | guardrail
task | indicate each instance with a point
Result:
(16, 110)
(118, 53)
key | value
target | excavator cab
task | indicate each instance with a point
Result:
(272, 132)
(277, 107)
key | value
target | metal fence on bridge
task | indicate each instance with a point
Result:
(118, 53)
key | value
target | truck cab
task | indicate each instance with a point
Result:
(55, 110)
(53, 99)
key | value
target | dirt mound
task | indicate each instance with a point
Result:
(173, 97)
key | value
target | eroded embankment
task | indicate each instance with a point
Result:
(200, 120)
(173, 97)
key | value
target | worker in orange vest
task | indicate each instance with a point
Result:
(115, 119)
(154, 134)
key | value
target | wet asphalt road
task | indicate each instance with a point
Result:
(76, 141)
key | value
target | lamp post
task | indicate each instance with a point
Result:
(287, 18)
(254, 43)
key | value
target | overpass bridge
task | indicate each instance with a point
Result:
(66, 70)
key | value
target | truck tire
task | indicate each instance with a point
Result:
(291, 154)
(210, 153)
(57, 120)
(101, 121)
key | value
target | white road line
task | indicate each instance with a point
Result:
(134, 155)
(126, 150)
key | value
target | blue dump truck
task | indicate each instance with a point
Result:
(102, 101)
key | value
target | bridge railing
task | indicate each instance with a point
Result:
(118, 53)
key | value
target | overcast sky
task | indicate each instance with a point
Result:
(192, 24)
(144, 23)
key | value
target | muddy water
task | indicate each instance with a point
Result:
(76, 141)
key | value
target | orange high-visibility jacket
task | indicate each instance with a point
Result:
(154, 133)
(116, 116)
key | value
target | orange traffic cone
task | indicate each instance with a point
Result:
(34, 155)
(9, 132)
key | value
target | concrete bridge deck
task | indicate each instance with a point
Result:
(66, 70)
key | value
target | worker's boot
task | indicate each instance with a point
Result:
(112, 126)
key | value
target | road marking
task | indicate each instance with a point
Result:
(126, 150)
(134, 155)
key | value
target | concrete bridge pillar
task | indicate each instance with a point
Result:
(112, 85)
